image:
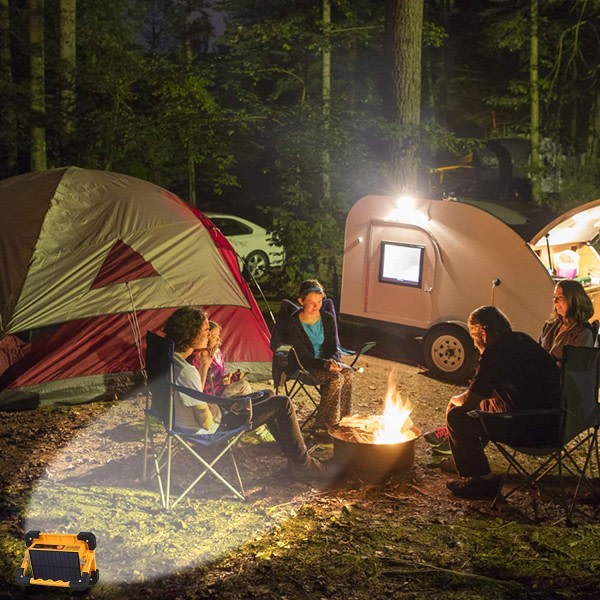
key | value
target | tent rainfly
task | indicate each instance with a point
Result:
(91, 260)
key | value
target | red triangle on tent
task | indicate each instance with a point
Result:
(123, 264)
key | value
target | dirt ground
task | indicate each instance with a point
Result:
(407, 537)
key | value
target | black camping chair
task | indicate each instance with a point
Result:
(556, 435)
(288, 372)
(162, 408)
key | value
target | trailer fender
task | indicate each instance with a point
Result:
(448, 351)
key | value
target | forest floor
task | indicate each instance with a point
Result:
(74, 469)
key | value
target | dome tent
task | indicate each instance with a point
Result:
(89, 261)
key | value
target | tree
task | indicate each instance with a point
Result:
(67, 69)
(326, 97)
(536, 175)
(402, 52)
(37, 85)
(8, 125)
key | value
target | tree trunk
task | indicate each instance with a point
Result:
(593, 138)
(402, 51)
(37, 87)
(536, 172)
(8, 121)
(191, 179)
(326, 160)
(68, 64)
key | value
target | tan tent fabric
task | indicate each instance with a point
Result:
(80, 228)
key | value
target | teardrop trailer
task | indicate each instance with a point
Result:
(415, 267)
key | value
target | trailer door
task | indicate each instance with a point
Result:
(401, 274)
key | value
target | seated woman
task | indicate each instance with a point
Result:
(188, 329)
(218, 382)
(569, 324)
(313, 334)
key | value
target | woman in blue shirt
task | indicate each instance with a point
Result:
(313, 334)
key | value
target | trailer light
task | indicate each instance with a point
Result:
(408, 209)
(406, 202)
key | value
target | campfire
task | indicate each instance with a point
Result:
(374, 447)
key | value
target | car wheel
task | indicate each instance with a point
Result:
(257, 263)
(449, 352)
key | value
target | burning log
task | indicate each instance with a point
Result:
(374, 447)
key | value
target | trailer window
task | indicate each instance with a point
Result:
(401, 264)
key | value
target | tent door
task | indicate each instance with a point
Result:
(401, 274)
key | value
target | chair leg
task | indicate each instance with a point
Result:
(291, 393)
(237, 472)
(208, 467)
(146, 442)
(169, 456)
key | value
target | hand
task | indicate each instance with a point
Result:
(459, 400)
(205, 356)
(332, 365)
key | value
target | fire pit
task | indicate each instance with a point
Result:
(375, 447)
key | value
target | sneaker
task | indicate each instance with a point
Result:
(437, 436)
(443, 448)
(476, 488)
(312, 469)
(439, 439)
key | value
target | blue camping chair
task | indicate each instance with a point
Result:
(554, 436)
(161, 408)
(288, 372)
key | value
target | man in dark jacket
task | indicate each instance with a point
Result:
(514, 373)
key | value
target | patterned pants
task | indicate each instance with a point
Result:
(336, 395)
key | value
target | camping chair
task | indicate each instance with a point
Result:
(288, 372)
(161, 408)
(554, 434)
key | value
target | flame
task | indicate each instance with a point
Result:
(394, 424)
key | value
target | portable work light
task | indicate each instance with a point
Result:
(59, 559)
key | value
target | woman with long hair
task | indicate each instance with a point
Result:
(569, 324)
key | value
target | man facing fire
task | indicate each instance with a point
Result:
(514, 373)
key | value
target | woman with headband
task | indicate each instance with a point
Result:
(313, 334)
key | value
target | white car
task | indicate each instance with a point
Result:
(251, 242)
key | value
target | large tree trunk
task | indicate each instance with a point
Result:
(68, 64)
(326, 161)
(8, 126)
(536, 172)
(37, 86)
(402, 51)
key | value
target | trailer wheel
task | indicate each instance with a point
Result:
(449, 352)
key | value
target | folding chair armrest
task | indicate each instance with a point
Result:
(522, 428)
(223, 402)
(358, 353)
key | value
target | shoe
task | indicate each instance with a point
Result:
(448, 465)
(437, 436)
(476, 488)
(443, 448)
(439, 439)
(312, 469)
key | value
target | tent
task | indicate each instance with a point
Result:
(91, 260)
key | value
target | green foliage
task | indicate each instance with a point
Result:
(434, 35)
